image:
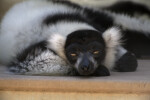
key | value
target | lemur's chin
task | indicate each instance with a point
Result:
(86, 72)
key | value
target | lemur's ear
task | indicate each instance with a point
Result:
(112, 37)
(56, 43)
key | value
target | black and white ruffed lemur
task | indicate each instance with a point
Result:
(63, 38)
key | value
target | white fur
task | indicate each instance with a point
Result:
(23, 22)
(22, 26)
(64, 28)
(56, 43)
(46, 63)
(112, 38)
(61, 30)
(132, 23)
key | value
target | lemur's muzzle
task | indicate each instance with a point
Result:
(86, 66)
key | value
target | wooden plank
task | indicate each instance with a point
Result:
(17, 95)
(75, 86)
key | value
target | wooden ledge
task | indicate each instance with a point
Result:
(132, 82)
(75, 86)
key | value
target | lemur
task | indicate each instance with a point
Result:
(57, 37)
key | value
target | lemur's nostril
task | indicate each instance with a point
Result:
(85, 67)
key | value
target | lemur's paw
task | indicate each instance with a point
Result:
(127, 63)
(18, 70)
(101, 71)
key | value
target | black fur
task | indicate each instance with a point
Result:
(129, 8)
(83, 43)
(73, 17)
(84, 37)
(99, 20)
(101, 71)
(127, 63)
(136, 42)
(67, 3)
(31, 50)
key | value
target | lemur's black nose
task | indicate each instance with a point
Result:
(85, 64)
(85, 67)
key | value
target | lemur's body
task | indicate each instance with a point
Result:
(35, 38)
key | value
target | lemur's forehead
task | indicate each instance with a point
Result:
(75, 47)
(91, 44)
(84, 37)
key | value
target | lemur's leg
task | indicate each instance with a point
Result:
(126, 61)
(128, 7)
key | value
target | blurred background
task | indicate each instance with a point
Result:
(6, 4)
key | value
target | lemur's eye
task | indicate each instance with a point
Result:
(73, 54)
(96, 52)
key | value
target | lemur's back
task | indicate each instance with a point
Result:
(23, 26)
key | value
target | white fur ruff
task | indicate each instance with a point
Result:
(112, 38)
(46, 63)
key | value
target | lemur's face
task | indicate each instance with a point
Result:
(85, 58)
(85, 52)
